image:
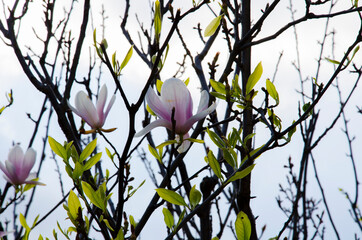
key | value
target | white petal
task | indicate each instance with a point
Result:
(29, 160)
(101, 102)
(157, 106)
(152, 125)
(204, 101)
(174, 94)
(110, 104)
(86, 109)
(16, 155)
(199, 116)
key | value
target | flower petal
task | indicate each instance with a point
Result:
(28, 163)
(86, 109)
(157, 106)
(185, 144)
(110, 104)
(204, 101)
(174, 94)
(101, 102)
(152, 125)
(199, 116)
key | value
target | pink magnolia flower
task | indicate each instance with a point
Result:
(94, 116)
(175, 95)
(17, 167)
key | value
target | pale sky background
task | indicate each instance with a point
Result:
(334, 167)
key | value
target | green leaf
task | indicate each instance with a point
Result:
(333, 61)
(168, 218)
(195, 196)
(241, 174)
(158, 20)
(272, 91)
(254, 78)
(194, 140)
(215, 138)
(107, 224)
(219, 87)
(214, 164)
(150, 111)
(181, 217)
(212, 27)
(135, 190)
(120, 235)
(88, 150)
(306, 107)
(57, 148)
(92, 195)
(154, 152)
(92, 161)
(25, 225)
(171, 196)
(169, 142)
(229, 158)
(132, 221)
(127, 57)
(242, 226)
(78, 171)
(23, 222)
(218, 95)
(73, 204)
(291, 132)
(159, 84)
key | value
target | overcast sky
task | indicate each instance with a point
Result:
(334, 167)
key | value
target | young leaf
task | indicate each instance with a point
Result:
(272, 91)
(57, 148)
(73, 205)
(219, 87)
(229, 157)
(171, 196)
(212, 27)
(215, 138)
(214, 164)
(94, 197)
(168, 218)
(242, 173)
(127, 58)
(159, 84)
(157, 20)
(153, 151)
(92, 161)
(120, 235)
(195, 196)
(88, 150)
(254, 78)
(242, 226)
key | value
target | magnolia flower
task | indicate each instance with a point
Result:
(17, 167)
(175, 105)
(94, 116)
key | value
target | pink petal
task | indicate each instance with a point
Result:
(86, 109)
(185, 144)
(110, 104)
(7, 174)
(28, 163)
(101, 102)
(152, 125)
(16, 156)
(174, 94)
(199, 116)
(204, 101)
(157, 106)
